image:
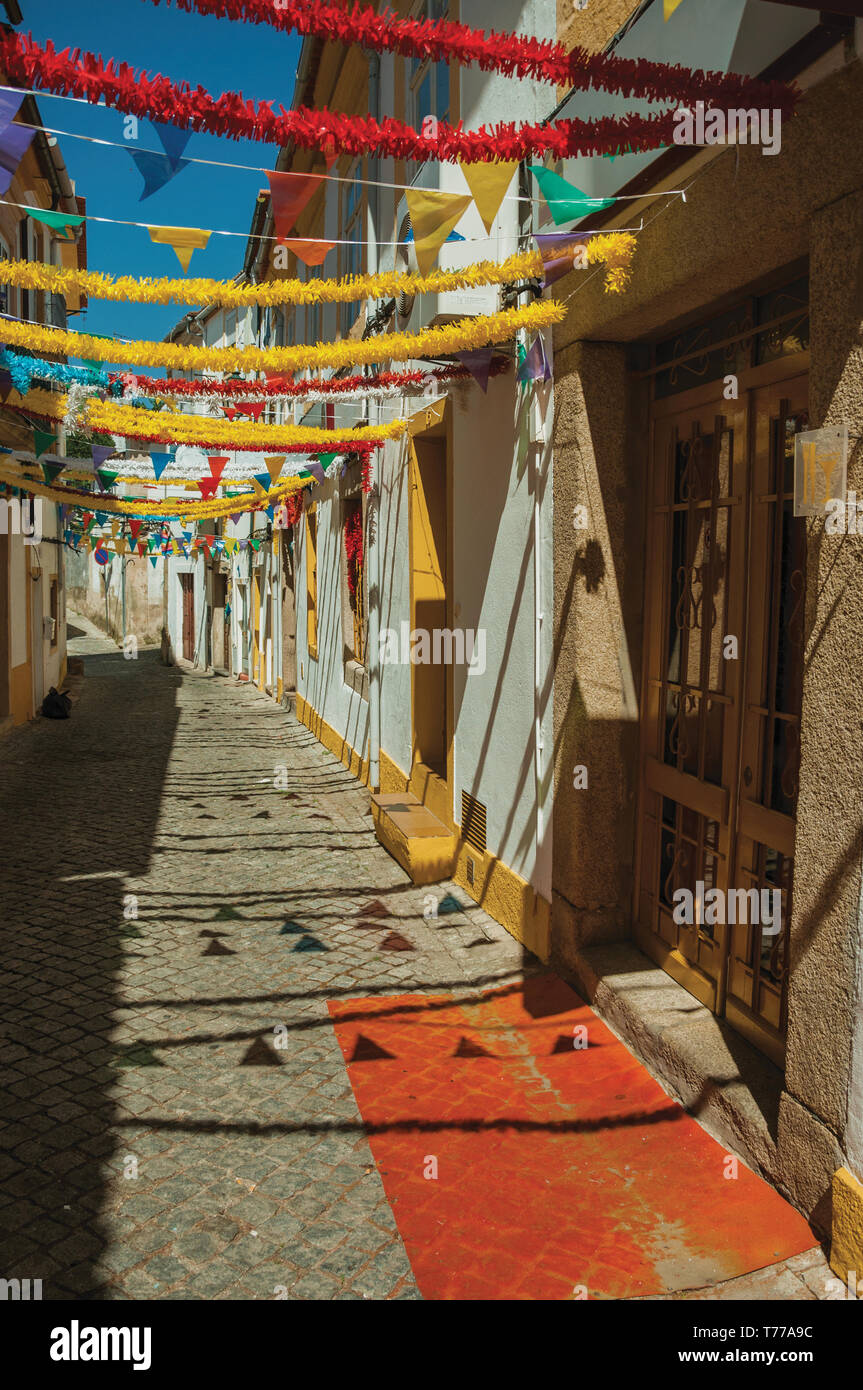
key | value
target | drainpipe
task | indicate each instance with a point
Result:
(373, 643)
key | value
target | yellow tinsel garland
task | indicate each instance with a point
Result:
(177, 428)
(615, 248)
(393, 347)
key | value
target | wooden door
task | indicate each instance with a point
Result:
(721, 698)
(187, 593)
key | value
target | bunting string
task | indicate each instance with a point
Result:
(167, 510)
(429, 342)
(134, 92)
(389, 384)
(514, 55)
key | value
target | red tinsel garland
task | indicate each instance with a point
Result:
(353, 532)
(515, 55)
(72, 73)
(283, 386)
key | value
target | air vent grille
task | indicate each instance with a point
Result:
(473, 821)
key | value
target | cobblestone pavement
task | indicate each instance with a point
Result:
(177, 1116)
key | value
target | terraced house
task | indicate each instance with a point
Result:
(423, 640)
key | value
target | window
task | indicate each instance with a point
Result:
(312, 581)
(353, 227)
(353, 580)
(429, 82)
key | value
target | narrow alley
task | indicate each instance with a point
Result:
(247, 1059)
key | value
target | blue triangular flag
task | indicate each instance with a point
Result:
(156, 170)
(173, 140)
(160, 462)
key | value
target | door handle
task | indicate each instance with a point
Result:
(747, 776)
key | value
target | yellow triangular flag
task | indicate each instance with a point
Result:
(121, 545)
(433, 216)
(115, 526)
(259, 487)
(274, 466)
(668, 8)
(488, 184)
(184, 240)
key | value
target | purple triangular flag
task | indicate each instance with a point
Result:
(236, 516)
(535, 366)
(478, 363)
(14, 143)
(101, 452)
(9, 104)
(316, 470)
(244, 545)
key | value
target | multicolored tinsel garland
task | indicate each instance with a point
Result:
(280, 387)
(84, 75)
(23, 369)
(124, 289)
(515, 55)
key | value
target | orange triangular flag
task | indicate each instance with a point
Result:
(309, 252)
(488, 184)
(433, 216)
(274, 466)
(217, 464)
(289, 194)
(184, 240)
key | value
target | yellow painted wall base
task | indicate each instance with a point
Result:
(506, 897)
(337, 745)
(846, 1245)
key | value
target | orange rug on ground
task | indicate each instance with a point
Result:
(561, 1171)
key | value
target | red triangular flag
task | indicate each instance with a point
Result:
(208, 486)
(252, 408)
(134, 527)
(217, 464)
(142, 547)
(230, 411)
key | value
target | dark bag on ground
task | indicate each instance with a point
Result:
(56, 704)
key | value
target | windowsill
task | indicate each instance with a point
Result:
(356, 678)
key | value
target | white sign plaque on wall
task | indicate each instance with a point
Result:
(820, 468)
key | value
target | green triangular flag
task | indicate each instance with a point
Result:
(566, 203)
(107, 477)
(154, 560)
(256, 545)
(60, 222)
(50, 471)
(326, 459)
(42, 439)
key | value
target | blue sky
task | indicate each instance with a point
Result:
(218, 54)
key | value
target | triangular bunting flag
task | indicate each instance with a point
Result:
(50, 471)
(478, 363)
(535, 366)
(121, 545)
(156, 170)
(14, 143)
(42, 441)
(154, 561)
(253, 408)
(316, 470)
(309, 252)
(106, 478)
(173, 139)
(566, 203)
(184, 240)
(668, 8)
(134, 528)
(217, 464)
(160, 462)
(60, 222)
(274, 466)
(101, 452)
(433, 216)
(208, 486)
(289, 194)
(262, 483)
(488, 184)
